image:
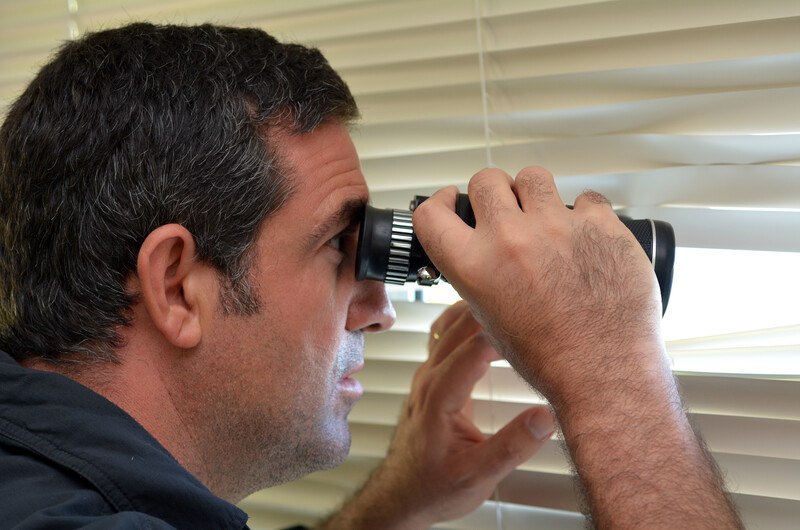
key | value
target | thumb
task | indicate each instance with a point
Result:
(516, 442)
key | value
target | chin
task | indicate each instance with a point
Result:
(338, 449)
(324, 453)
(316, 446)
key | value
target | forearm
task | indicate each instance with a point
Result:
(639, 462)
(374, 506)
(571, 301)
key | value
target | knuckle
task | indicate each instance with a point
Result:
(487, 177)
(420, 214)
(535, 172)
(536, 186)
(508, 453)
(594, 197)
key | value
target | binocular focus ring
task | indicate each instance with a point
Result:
(399, 247)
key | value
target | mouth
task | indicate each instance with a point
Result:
(357, 368)
(350, 386)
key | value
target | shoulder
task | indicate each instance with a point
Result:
(37, 494)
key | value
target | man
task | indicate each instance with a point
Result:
(181, 319)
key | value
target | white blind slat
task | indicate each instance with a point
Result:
(677, 110)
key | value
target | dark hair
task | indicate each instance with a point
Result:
(129, 129)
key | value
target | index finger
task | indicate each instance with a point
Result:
(491, 193)
(440, 230)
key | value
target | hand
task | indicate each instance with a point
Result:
(548, 283)
(439, 465)
(569, 298)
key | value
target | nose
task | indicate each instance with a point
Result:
(370, 309)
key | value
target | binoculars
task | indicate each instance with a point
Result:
(389, 251)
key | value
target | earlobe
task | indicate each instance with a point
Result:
(167, 268)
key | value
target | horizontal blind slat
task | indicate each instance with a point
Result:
(559, 54)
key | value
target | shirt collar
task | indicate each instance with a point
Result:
(69, 424)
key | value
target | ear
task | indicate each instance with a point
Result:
(172, 284)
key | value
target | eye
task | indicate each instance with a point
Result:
(336, 241)
(340, 241)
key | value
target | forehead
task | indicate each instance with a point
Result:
(324, 168)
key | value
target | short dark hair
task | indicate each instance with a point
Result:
(129, 129)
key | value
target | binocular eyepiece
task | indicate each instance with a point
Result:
(389, 251)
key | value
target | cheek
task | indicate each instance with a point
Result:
(323, 299)
(320, 340)
(312, 306)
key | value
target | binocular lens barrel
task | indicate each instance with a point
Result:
(388, 249)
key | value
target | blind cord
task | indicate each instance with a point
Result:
(487, 131)
(72, 19)
(487, 136)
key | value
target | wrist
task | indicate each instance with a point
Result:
(637, 453)
(378, 504)
(618, 379)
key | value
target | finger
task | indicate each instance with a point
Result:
(452, 381)
(451, 337)
(468, 410)
(591, 199)
(443, 322)
(441, 232)
(491, 194)
(515, 443)
(536, 190)
(448, 317)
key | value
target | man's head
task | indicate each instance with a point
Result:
(181, 201)
(130, 129)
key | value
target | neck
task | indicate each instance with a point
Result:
(141, 386)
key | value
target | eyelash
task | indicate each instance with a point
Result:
(336, 241)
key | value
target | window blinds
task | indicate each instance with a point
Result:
(681, 110)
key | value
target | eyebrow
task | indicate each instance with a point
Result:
(349, 213)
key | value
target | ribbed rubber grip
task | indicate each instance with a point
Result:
(399, 247)
(644, 232)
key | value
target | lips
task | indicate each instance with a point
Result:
(357, 368)
(350, 386)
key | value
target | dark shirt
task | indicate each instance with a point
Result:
(69, 458)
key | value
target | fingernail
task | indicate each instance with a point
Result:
(542, 424)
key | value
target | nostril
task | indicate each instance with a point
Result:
(371, 310)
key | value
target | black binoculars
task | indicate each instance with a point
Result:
(388, 249)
